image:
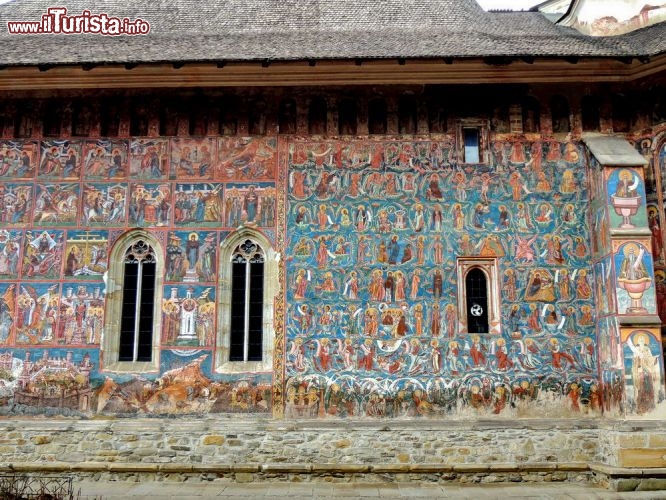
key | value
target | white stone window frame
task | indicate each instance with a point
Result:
(483, 128)
(113, 280)
(489, 267)
(271, 288)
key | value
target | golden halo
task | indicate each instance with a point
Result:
(629, 247)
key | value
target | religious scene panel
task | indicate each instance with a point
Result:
(105, 159)
(372, 326)
(18, 159)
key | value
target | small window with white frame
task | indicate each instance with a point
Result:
(133, 304)
(478, 296)
(248, 285)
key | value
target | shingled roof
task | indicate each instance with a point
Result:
(251, 30)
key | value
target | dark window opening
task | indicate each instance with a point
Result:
(247, 303)
(476, 287)
(138, 304)
(471, 139)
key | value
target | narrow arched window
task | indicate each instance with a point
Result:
(476, 300)
(247, 302)
(138, 303)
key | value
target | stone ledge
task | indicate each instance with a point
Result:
(620, 472)
(471, 468)
(340, 468)
(430, 468)
(287, 468)
(281, 468)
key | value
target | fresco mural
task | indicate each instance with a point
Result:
(56, 205)
(16, 208)
(11, 242)
(199, 205)
(81, 311)
(150, 204)
(626, 194)
(372, 327)
(246, 158)
(18, 159)
(42, 254)
(188, 315)
(104, 205)
(86, 254)
(250, 204)
(36, 313)
(149, 159)
(192, 158)
(191, 256)
(635, 280)
(47, 378)
(644, 373)
(58, 306)
(60, 159)
(105, 159)
(370, 232)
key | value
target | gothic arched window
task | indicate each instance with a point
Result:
(136, 325)
(248, 285)
(247, 302)
(133, 304)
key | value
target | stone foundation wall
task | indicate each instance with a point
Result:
(261, 442)
(225, 449)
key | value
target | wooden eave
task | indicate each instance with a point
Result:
(328, 73)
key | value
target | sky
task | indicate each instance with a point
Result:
(508, 4)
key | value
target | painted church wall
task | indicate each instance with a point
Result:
(346, 214)
(64, 205)
(372, 315)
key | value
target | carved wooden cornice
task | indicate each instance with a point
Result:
(327, 73)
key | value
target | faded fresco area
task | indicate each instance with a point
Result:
(373, 327)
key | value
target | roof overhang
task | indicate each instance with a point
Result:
(343, 72)
(613, 150)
